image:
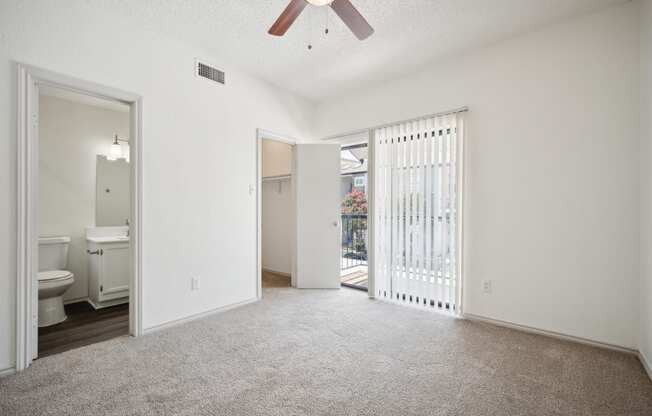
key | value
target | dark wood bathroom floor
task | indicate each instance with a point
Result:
(84, 326)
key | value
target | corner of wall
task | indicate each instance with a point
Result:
(645, 161)
(646, 364)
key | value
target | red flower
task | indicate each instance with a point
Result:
(355, 202)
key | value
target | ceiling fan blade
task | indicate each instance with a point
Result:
(288, 17)
(352, 18)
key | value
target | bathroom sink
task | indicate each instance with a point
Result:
(109, 239)
(106, 235)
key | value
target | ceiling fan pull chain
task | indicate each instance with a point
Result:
(326, 31)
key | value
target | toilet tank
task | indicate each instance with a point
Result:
(53, 253)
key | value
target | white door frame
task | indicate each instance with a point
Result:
(28, 80)
(262, 134)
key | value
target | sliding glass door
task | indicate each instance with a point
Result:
(417, 206)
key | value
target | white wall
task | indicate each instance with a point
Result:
(71, 135)
(645, 342)
(199, 152)
(277, 225)
(552, 193)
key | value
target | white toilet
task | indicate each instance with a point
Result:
(53, 279)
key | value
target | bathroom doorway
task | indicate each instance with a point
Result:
(79, 187)
(83, 220)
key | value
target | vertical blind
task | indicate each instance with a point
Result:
(417, 195)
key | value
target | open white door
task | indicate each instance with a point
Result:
(316, 180)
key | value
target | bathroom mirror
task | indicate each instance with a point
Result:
(112, 199)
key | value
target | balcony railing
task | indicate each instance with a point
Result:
(354, 240)
(355, 243)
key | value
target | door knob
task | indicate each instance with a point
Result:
(335, 223)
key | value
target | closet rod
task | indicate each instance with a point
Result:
(277, 178)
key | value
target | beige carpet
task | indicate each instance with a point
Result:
(331, 353)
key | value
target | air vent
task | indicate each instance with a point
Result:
(204, 70)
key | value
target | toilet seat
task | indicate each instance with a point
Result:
(53, 275)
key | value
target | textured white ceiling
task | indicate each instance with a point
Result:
(409, 35)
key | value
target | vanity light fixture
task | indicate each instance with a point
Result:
(116, 151)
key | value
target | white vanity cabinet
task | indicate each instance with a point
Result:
(109, 270)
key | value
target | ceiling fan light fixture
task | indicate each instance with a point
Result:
(343, 8)
(320, 2)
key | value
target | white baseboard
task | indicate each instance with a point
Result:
(646, 364)
(187, 319)
(551, 334)
(108, 303)
(278, 273)
(7, 372)
(76, 300)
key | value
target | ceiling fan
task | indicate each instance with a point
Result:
(343, 8)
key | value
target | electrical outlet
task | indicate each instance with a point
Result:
(194, 283)
(486, 286)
